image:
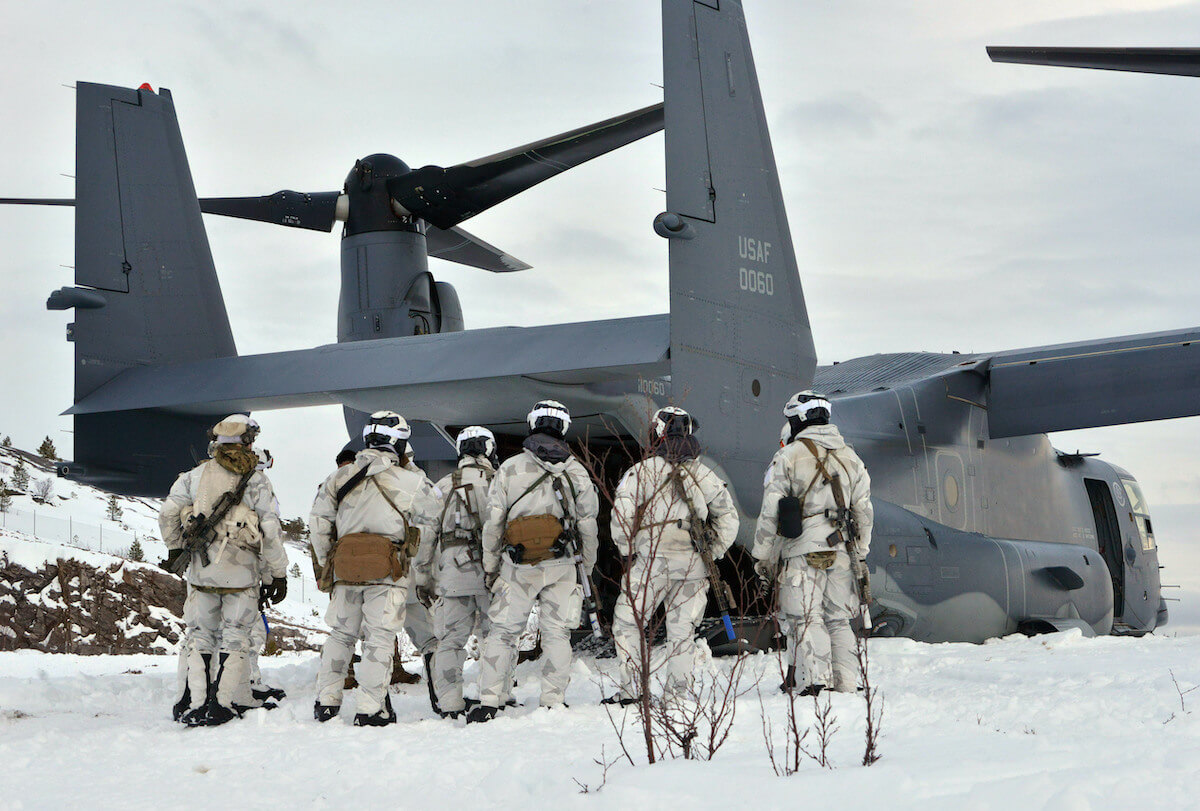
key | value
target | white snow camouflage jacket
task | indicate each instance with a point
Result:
(250, 530)
(662, 528)
(364, 509)
(792, 470)
(455, 567)
(513, 478)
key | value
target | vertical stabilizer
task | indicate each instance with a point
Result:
(147, 291)
(740, 337)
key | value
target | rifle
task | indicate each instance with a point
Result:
(573, 545)
(201, 530)
(846, 533)
(702, 539)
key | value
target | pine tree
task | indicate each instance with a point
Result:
(295, 570)
(20, 476)
(5, 497)
(46, 450)
(135, 550)
(7, 441)
(114, 510)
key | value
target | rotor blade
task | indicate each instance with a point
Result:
(37, 201)
(316, 212)
(1167, 61)
(456, 245)
(446, 197)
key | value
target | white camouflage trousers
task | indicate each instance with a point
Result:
(816, 606)
(418, 623)
(219, 626)
(683, 600)
(374, 613)
(561, 598)
(454, 618)
(258, 639)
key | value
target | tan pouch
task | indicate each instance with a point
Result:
(535, 535)
(820, 560)
(361, 557)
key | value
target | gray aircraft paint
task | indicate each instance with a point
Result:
(981, 527)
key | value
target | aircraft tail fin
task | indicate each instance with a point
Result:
(146, 290)
(741, 343)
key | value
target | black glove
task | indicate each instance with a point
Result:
(275, 591)
(264, 596)
(172, 556)
(424, 596)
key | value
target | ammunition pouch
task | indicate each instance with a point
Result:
(820, 560)
(536, 536)
(362, 557)
(790, 517)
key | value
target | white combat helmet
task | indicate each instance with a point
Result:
(672, 421)
(807, 406)
(236, 429)
(551, 417)
(475, 440)
(387, 429)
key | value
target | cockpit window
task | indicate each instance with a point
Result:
(1141, 513)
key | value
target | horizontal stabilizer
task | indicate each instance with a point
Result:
(1166, 61)
(1114, 381)
(485, 375)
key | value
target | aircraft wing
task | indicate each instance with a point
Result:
(484, 376)
(1112, 381)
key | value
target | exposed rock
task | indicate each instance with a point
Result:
(74, 607)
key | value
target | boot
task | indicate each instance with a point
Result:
(618, 698)
(385, 716)
(433, 701)
(214, 713)
(789, 681)
(812, 690)
(182, 705)
(481, 714)
(196, 715)
(323, 712)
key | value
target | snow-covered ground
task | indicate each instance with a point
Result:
(1056, 722)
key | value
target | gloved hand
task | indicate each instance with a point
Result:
(264, 597)
(172, 556)
(489, 580)
(276, 591)
(767, 573)
(425, 596)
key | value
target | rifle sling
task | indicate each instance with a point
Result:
(834, 481)
(351, 483)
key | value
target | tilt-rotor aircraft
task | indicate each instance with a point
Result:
(981, 527)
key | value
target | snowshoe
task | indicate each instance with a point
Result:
(812, 690)
(481, 714)
(324, 712)
(265, 693)
(195, 717)
(617, 698)
(212, 714)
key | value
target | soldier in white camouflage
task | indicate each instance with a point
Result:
(449, 573)
(817, 596)
(661, 505)
(541, 504)
(367, 522)
(223, 594)
(418, 619)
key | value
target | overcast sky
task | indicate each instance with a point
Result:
(938, 201)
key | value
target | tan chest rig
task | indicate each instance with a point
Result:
(240, 526)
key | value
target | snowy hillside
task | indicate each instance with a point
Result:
(75, 523)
